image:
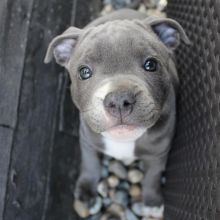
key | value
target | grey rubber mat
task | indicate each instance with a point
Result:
(193, 175)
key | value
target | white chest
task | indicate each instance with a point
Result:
(124, 151)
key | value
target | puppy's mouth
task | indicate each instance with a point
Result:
(122, 128)
(124, 132)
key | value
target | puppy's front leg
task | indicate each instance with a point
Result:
(89, 175)
(152, 195)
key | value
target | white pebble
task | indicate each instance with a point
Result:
(102, 188)
(135, 176)
(135, 192)
(113, 181)
(97, 207)
(118, 169)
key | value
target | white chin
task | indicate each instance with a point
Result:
(124, 132)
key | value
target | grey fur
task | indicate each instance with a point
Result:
(115, 48)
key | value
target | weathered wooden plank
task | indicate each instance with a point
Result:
(83, 12)
(6, 135)
(64, 172)
(27, 196)
(39, 163)
(15, 19)
(66, 154)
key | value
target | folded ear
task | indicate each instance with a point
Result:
(169, 31)
(61, 47)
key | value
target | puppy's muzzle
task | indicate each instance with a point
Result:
(119, 104)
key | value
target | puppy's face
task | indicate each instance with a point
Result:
(121, 76)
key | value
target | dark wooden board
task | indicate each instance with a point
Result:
(15, 21)
(39, 147)
(14, 18)
(6, 136)
(66, 152)
(30, 162)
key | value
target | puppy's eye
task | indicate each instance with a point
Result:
(85, 73)
(150, 65)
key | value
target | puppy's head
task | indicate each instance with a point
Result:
(121, 72)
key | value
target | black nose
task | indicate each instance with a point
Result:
(119, 103)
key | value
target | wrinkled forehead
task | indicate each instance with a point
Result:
(123, 38)
(118, 46)
(116, 28)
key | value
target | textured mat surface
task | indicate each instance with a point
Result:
(193, 175)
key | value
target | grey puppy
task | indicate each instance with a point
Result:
(124, 83)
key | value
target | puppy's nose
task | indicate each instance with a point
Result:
(119, 103)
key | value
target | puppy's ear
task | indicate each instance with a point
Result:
(168, 30)
(61, 47)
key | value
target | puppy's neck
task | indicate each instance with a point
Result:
(120, 148)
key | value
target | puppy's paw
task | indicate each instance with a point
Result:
(86, 193)
(153, 212)
(82, 209)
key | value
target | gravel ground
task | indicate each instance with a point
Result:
(119, 193)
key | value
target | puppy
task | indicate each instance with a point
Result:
(124, 83)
